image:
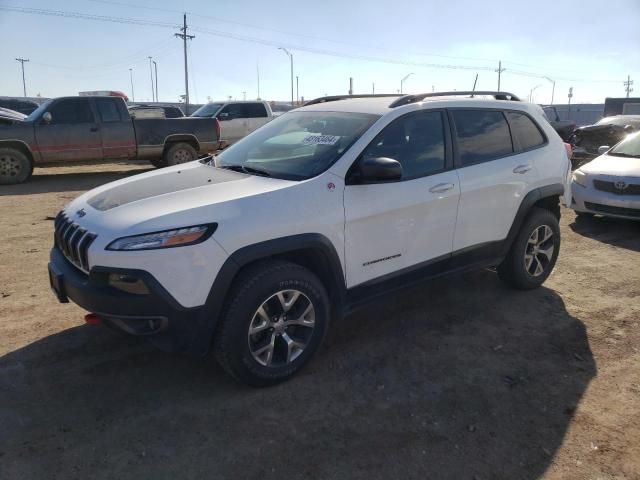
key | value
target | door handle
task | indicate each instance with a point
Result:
(522, 169)
(441, 187)
(93, 129)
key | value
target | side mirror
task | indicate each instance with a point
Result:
(628, 128)
(603, 149)
(380, 169)
(46, 117)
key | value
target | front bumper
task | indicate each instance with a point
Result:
(588, 199)
(155, 315)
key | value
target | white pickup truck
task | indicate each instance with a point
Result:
(237, 118)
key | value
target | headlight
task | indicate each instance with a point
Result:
(580, 178)
(178, 237)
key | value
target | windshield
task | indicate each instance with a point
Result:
(297, 145)
(629, 147)
(39, 111)
(208, 110)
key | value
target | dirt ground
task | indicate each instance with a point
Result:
(460, 378)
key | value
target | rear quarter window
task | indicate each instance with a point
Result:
(481, 135)
(527, 134)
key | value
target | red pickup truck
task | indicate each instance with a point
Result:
(99, 128)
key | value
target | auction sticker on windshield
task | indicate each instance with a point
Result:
(320, 140)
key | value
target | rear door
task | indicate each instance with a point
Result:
(234, 123)
(400, 225)
(493, 178)
(116, 128)
(72, 134)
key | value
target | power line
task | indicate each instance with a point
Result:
(274, 43)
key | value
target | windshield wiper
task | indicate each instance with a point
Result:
(622, 154)
(248, 170)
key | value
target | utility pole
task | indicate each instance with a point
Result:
(569, 96)
(184, 38)
(350, 85)
(244, 95)
(500, 70)
(24, 84)
(373, 88)
(155, 66)
(258, 74)
(627, 85)
(291, 60)
(133, 95)
(297, 91)
(151, 76)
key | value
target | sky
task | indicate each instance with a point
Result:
(590, 45)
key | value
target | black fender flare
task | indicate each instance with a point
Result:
(529, 200)
(260, 251)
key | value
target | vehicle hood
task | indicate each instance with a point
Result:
(169, 197)
(612, 165)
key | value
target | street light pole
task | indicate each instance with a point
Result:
(151, 76)
(291, 60)
(155, 66)
(531, 92)
(297, 90)
(403, 80)
(24, 84)
(553, 87)
(133, 95)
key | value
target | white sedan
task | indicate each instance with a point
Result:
(610, 184)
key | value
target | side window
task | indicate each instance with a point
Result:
(108, 110)
(256, 110)
(70, 111)
(415, 140)
(526, 133)
(235, 110)
(482, 135)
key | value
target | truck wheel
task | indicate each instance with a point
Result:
(15, 166)
(534, 251)
(274, 320)
(179, 153)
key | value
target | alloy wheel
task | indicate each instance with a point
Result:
(281, 328)
(181, 156)
(539, 250)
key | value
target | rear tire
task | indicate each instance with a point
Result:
(275, 318)
(533, 253)
(179, 153)
(15, 166)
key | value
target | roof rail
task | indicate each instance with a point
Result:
(405, 100)
(333, 98)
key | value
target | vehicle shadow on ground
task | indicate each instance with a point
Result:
(457, 379)
(614, 231)
(55, 179)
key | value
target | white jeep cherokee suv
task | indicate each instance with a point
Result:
(252, 252)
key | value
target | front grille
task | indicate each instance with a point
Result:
(73, 241)
(604, 186)
(627, 212)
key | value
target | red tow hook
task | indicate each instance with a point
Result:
(92, 319)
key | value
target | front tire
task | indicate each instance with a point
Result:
(274, 320)
(179, 153)
(534, 251)
(15, 166)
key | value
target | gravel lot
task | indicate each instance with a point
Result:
(460, 378)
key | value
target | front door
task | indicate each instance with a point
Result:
(408, 223)
(234, 123)
(72, 134)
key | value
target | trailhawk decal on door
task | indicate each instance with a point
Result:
(383, 259)
(320, 140)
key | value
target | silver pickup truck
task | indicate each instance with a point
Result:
(237, 118)
(99, 128)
